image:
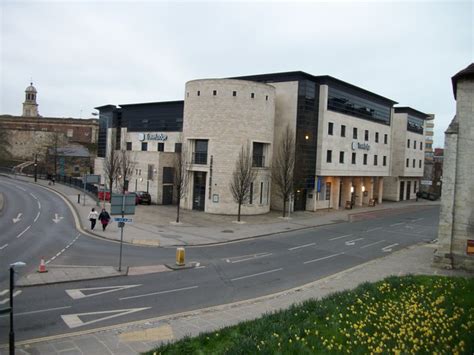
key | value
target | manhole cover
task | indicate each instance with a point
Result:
(227, 231)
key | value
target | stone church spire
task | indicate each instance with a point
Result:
(30, 107)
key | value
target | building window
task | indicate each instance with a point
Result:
(252, 95)
(354, 158)
(408, 143)
(161, 147)
(341, 157)
(414, 162)
(375, 160)
(330, 128)
(366, 137)
(200, 152)
(328, 191)
(214, 92)
(187, 94)
(419, 165)
(261, 193)
(69, 133)
(251, 193)
(376, 137)
(199, 93)
(144, 146)
(365, 159)
(414, 144)
(343, 130)
(129, 145)
(266, 98)
(329, 156)
(258, 155)
(385, 138)
(384, 160)
(178, 147)
(421, 145)
(354, 133)
(168, 175)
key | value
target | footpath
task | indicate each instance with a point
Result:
(154, 226)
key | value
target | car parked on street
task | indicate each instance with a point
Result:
(142, 197)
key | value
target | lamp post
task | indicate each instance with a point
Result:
(36, 167)
(12, 286)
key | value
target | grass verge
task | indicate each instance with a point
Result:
(410, 314)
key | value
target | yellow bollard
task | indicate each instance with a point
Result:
(180, 256)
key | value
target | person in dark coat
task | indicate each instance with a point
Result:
(104, 218)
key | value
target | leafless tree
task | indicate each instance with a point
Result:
(126, 165)
(111, 166)
(56, 141)
(242, 178)
(283, 168)
(181, 177)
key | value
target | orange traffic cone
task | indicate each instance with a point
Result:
(42, 266)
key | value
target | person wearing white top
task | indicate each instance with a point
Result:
(93, 217)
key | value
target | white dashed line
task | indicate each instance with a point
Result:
(3, 246)
(302, 246)
(258, 274)
(323, 258)
(160, 293)
(19, 187)
(342, 236)
(373, 229)
(19, 235)
(33, 196)
(38, 311)
(39, 204)
(369, 245)
(251, 258)
(4, 292)
(63, 250)
(397, 224)
(37, 216)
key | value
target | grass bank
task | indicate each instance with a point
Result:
(411, 314)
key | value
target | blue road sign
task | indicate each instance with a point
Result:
(123, 219)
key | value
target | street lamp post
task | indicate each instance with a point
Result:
(12, 286)
(36, 167)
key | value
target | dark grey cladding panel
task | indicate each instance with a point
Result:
(155, 116)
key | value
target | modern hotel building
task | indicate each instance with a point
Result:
(347, 142)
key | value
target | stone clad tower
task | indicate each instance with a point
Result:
(30, 107)
(456, 220)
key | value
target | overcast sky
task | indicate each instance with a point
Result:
(85, 54)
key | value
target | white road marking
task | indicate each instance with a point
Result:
(369, 245)
(258, 274)
(18, 218)
(5, 300)
(19, 235)
(73, 320)
(352, 242)
(417, 219)
(342, 236)
(374, 229)
(33, 196)
(4, 292)
(57, 218)
(78, 294)
(64, 249)
(160, 292)
(397, 224)
(41, 311)
(302, 246)
(3, 246)
(39, 204)
(389, 248)
(21, 188)
(323, 258)
(256, 256)
(37, 216)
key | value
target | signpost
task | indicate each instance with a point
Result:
(122, 204)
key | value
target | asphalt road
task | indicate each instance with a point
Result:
(227, 273)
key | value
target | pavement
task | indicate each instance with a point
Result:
(154, 226)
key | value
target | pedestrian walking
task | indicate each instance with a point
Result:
(93, 218)
(104, 218)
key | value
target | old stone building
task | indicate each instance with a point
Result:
(31, 134)
(456, 221)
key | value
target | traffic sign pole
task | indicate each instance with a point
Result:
(121, 233)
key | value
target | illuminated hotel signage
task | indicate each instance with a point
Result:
(152, 137)
(356, 145)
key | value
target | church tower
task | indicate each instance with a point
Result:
(30, 107)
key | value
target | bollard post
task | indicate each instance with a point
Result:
(180, 256)
(78, 198)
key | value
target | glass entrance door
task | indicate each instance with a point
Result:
(199, 190)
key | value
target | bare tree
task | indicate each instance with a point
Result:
(126, 165)
(181, 177)
(242, 178)
(57, 140)
(283, 168)
(111, 166)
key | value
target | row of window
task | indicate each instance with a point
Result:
(160, 147)
(354, 158)
(234, 93)
(414, 163)
(414, 144)
(355, 133)
(255, 197)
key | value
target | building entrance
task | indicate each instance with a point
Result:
(408, 189)
(300, 200)
(167, 194)
(199, 190)
(402, 189)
